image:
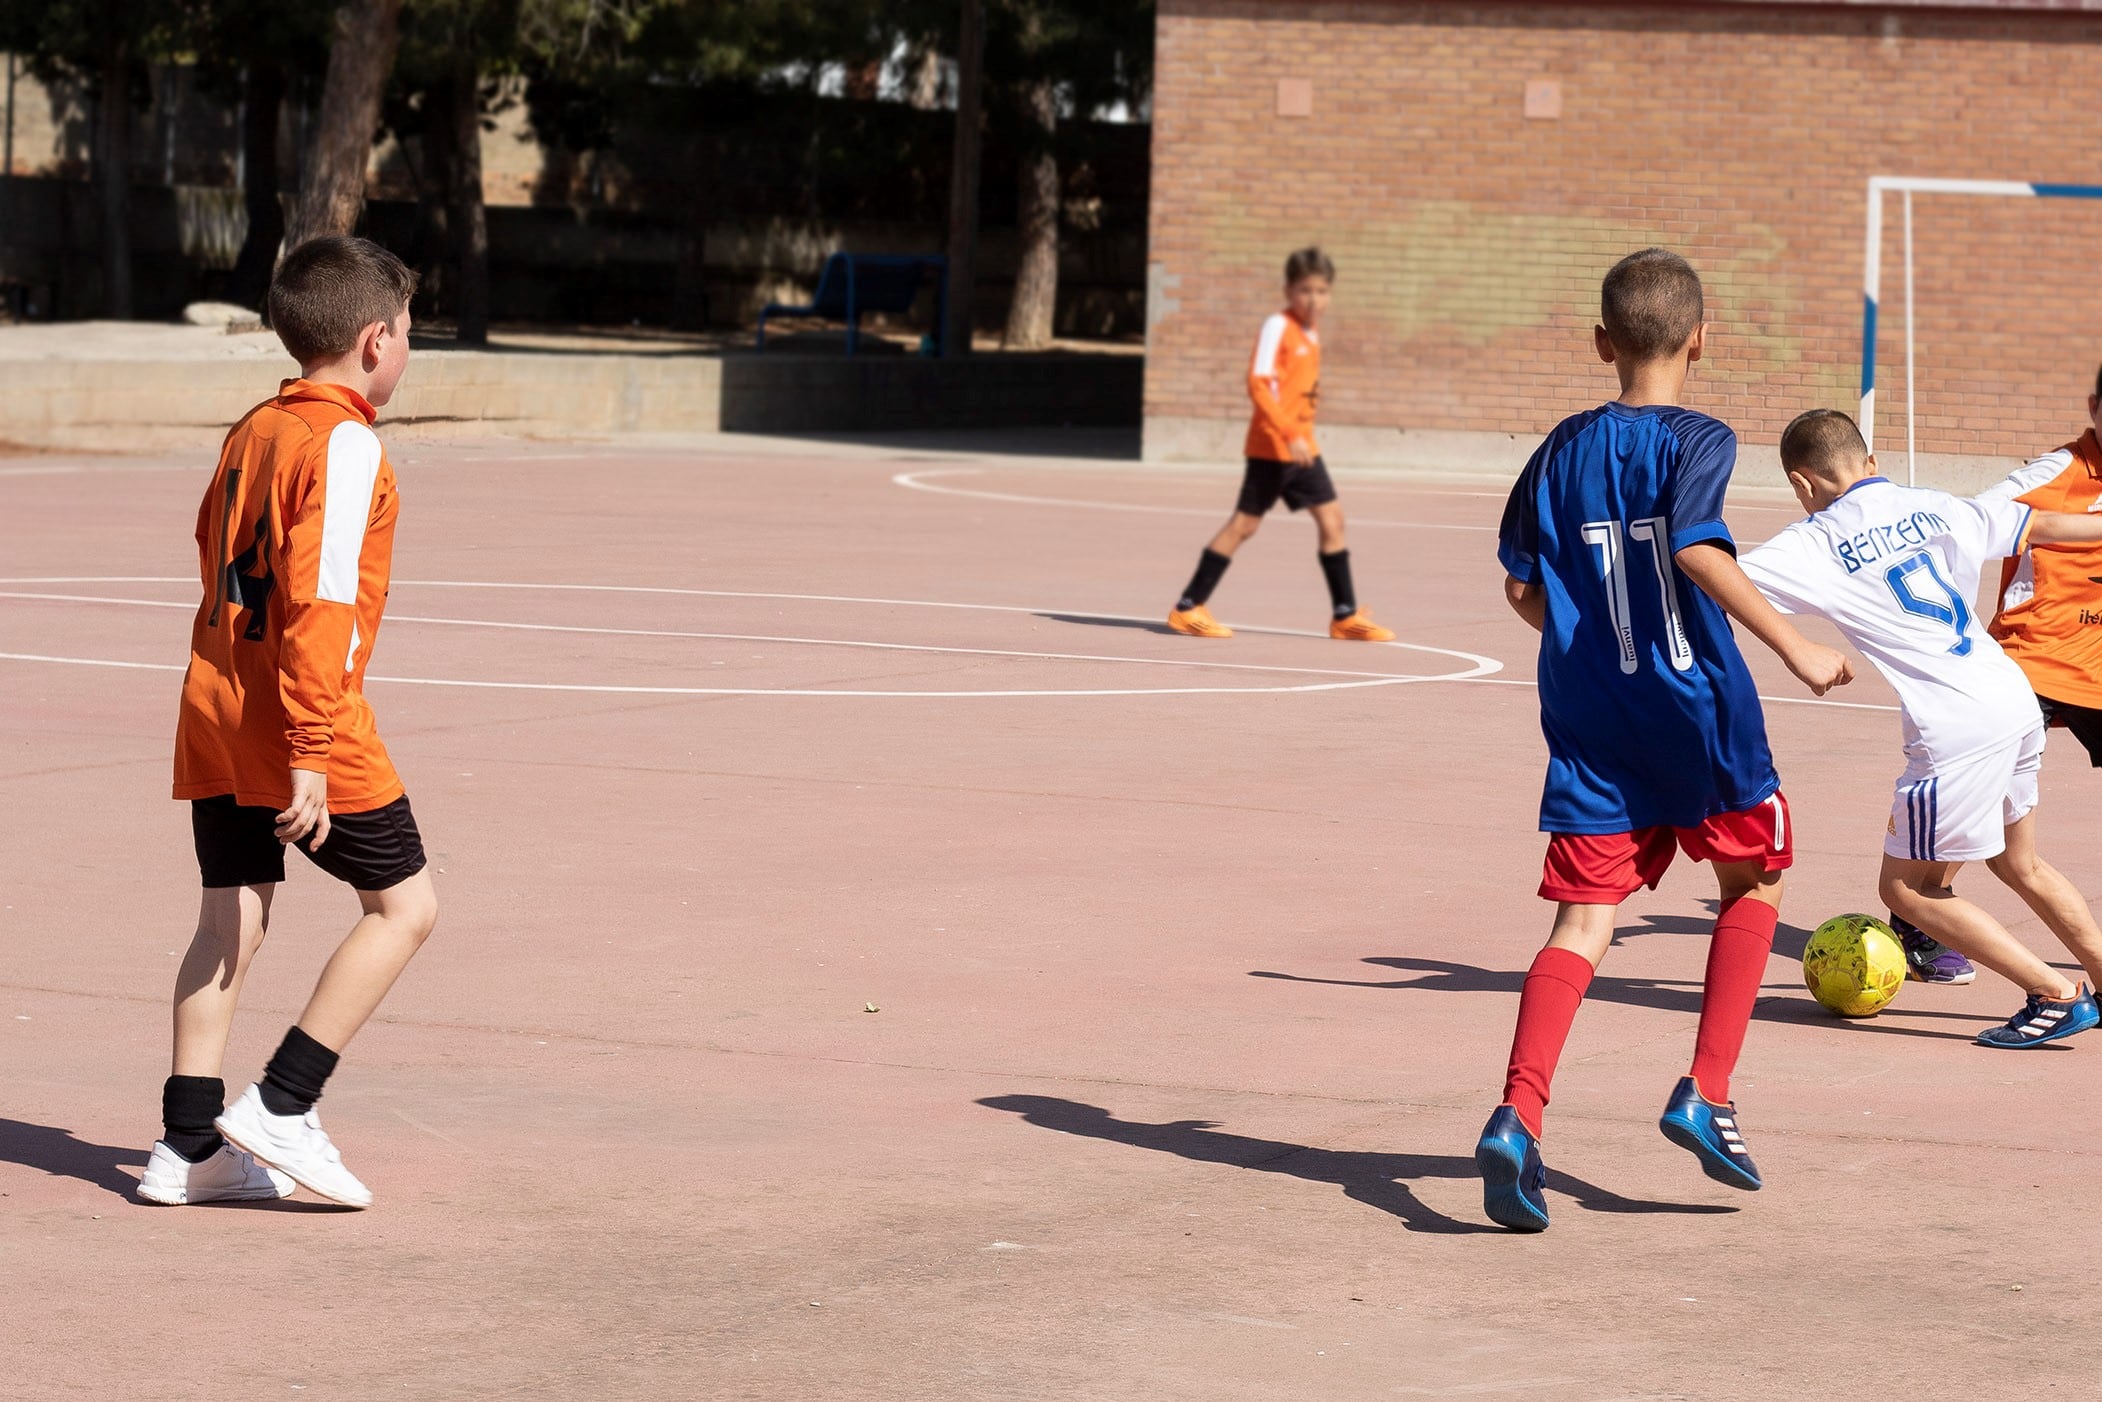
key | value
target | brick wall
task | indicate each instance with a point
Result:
(1470, 237)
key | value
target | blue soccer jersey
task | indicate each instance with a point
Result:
(1650, 712)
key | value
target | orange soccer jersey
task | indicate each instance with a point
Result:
(1284, 380)
(2050, 619)
(295, 541)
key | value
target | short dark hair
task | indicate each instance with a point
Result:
(1821, 442)
(329, 289)
(1309, 262)
(2098, 384)
(1651, 304)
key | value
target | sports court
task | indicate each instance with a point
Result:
(880, 962)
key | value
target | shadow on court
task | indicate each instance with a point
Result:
(1140, 625)
(57, 1152)
(1668, 995)
(1377, 1180)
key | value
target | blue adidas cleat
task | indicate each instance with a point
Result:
(1709, 1132)
(1513, 1177)
(2044, 1020)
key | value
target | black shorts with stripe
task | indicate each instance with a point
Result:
(237, 845)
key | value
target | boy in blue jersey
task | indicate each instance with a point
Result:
(1617, 553)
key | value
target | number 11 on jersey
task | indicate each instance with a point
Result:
(1655, 532)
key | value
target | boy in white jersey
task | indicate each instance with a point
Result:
(1895, 569)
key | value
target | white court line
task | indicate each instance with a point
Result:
(758, 594)
(777, 638)
(1482, 675)
(775, 691)
(1481, 666)
(1770, 700)
(912, 480)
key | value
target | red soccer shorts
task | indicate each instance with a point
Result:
(1607, 868)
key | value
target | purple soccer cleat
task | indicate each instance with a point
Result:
(1928, 960)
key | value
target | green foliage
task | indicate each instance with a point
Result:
(227, 38)
(79, 40)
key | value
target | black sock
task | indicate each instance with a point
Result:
(189, 1104)
(1211, 565)
(1340, 593)
(293, 1080)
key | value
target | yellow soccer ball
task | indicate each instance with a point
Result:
(1854, 965)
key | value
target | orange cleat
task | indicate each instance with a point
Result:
(1359, 628)
(1198, 623)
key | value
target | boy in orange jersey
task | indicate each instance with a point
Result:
(1284, 380)
(275, 744)
(2050, 616)
(2050, 622)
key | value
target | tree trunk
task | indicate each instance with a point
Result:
(963, 178)
(332, 189)
(263, 109)
(436, 249)
(1031, 316)
(113, 158)
(470, 216)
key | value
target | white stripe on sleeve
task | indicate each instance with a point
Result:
(2028, 477)
(1267, 346)
(353, 474)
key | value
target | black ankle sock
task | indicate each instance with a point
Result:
(189, 1104)
(293, 1080)
(1340, 592)
(1211, 565)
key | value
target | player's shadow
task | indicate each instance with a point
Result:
(57, 1152)
(1669, 995)
(1139, 625)
(1377, 1180)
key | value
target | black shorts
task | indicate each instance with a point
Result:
(2084, 721)
(1300, 487)
(237, 845)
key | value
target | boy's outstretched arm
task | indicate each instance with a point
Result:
(1527, 601)
(1722, 579)
(2064, 528)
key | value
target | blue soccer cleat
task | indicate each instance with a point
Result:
(1709, 1132)
(2044, 1020)
(1513, 1177)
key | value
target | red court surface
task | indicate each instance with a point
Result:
(1195, 966)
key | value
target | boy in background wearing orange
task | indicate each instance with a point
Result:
(275, 743)
(2050, 622)
(1284, 380)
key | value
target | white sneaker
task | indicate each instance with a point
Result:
(229, 1175)
(296, 1144)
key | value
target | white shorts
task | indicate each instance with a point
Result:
(1961, 812)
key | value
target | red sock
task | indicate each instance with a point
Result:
(1744, 936)
(1554, 986)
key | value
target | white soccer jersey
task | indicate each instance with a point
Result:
(1896, 568)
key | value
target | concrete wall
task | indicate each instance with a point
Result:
(170, 403)
(1475, 168)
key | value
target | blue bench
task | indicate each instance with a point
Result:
(853, 283)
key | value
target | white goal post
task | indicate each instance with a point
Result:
(1872, 278)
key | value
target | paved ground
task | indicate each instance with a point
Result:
(1194, 964)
